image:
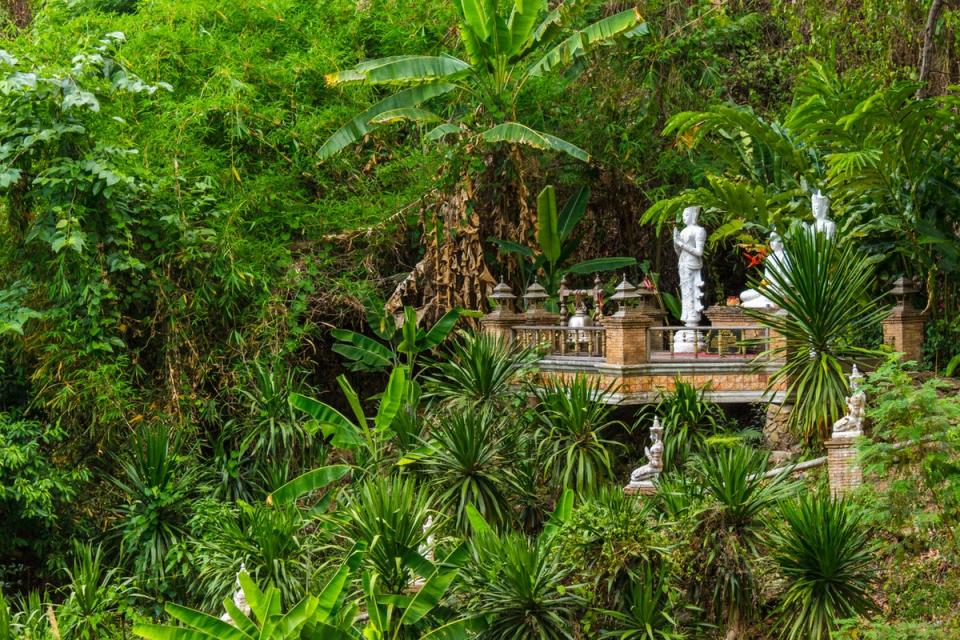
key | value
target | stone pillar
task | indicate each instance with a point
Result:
(499, 321)
(843, 466)
(626, 336)
(903, 328)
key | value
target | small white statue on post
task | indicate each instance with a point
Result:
(642, 478)
(851, 425)
(689, 244)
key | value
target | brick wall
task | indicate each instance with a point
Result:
(843, 467)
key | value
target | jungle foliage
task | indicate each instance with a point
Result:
(203, 401)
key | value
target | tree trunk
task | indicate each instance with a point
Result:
(19, 11)
(926, 54)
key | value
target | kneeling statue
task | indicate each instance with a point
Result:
(851, 425)
(651, 471)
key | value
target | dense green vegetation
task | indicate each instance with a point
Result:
(203, 252)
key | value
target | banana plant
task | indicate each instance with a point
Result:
(418, 613)
(312, 617)
(368, 441)
(556, 242)
(397, 346)
(506, 45)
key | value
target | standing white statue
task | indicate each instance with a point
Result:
(851, 425)
(776, 263)
(645, 475)
(821, 215)
(689, 244)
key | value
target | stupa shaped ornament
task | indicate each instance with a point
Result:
(689, 244)
(851, 425)
(643, 477)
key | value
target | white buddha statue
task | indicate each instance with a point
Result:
(821, 215)
(776, 262)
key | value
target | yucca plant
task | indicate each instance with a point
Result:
(466, 465)
(157, 481)
(506, 44)
(270, 541)
(480, 370)
(728, 531)
(514, 583)
(825, 294)
(575, 421)
(679, 494)
(93, 592)
(646, 614)
(823, 551)
(387, 515)
(687, 419)
(271, 426)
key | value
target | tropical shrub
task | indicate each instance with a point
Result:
(399, 346)
(687, 419)
(646, 611)
(157, 482)
(95, 592)
(575, 423)
(467, 465)
(269, 542)
(516, 586)
(725, 541)
(480, 370)
(557, 243)
(370, 443)
(823, 551)
(610, 541)
(388, 515)
(33, 487)
(270, 428)
(506, 44)
(825, 297)
(265, 619)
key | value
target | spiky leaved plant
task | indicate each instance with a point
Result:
(826, 305)
(823, 551)
(573, 437)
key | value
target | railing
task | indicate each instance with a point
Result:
(708, 343)
(583, 342)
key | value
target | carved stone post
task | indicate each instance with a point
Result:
(503, 316)
(626, 330)
(903, 329)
